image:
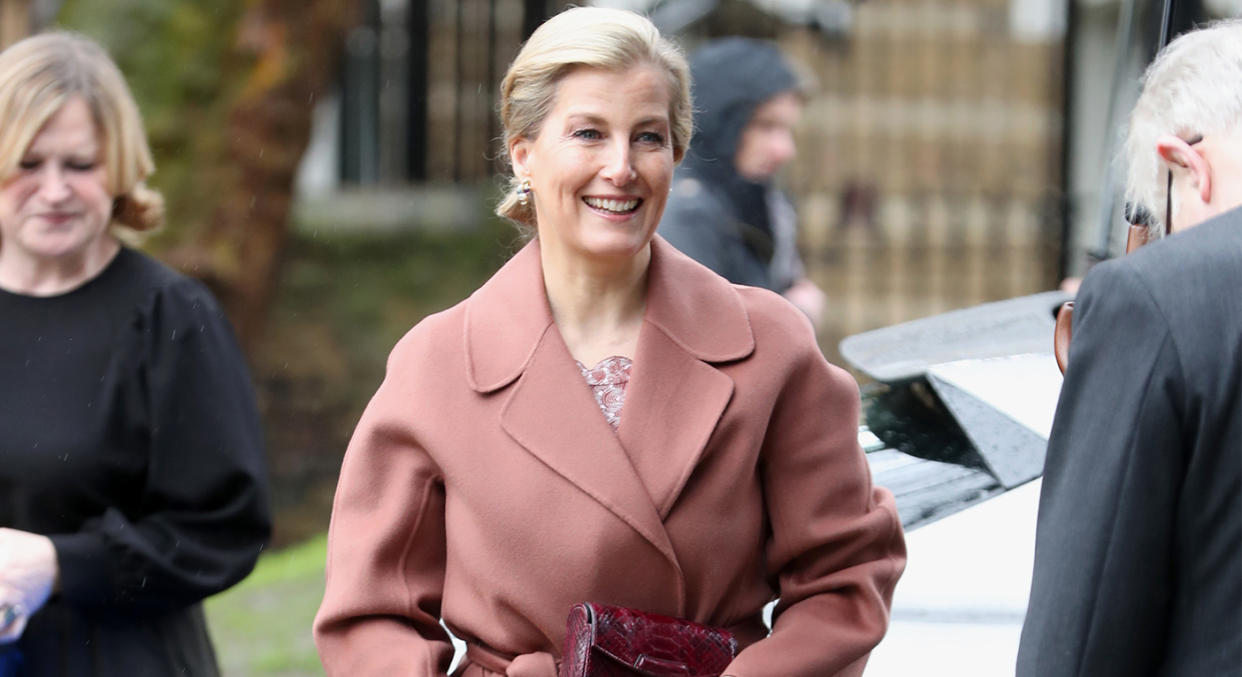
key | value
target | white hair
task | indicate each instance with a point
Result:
(1192, 88)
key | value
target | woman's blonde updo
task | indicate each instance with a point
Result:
(38, 76)
(589, 37)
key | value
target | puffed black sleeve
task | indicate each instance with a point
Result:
(1101, 584)
(202, 517)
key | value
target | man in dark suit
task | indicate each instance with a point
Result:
(1138, 557)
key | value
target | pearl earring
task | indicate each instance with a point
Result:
(523, 195)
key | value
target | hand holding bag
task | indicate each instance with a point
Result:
(610, 641)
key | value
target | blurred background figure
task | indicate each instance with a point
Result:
(1138, 555)
(132, 481)
(725, 210)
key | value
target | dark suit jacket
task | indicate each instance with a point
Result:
(1138, 557)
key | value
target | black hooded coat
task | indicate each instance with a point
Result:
(743, 230)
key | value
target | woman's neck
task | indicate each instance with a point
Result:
(598, 306)
(37, 276)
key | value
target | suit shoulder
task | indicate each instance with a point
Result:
(1206, 253)
(1191, 275)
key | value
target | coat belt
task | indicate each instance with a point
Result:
(534, 664)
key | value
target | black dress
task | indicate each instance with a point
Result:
(129, 436)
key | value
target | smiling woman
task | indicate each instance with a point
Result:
(600, 167)
(599, 172)
(605, 420)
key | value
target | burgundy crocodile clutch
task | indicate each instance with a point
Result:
(612, 641)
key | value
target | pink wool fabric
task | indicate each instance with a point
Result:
(483, 487)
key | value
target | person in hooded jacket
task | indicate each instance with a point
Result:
(725, 210)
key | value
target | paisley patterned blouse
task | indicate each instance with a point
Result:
(608, 380)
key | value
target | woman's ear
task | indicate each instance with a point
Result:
(519, 154)
(1182, 156)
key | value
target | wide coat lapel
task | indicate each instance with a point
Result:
(512, 343)
(676, 396)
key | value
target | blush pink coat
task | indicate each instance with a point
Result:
(483, 486)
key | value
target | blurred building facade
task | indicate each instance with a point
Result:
(929, 175)
(954, 152)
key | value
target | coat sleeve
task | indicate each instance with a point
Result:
(836, 547)
(1100, 589)
(204, 516)
(386, 546)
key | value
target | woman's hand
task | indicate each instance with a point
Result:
(28, 573)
